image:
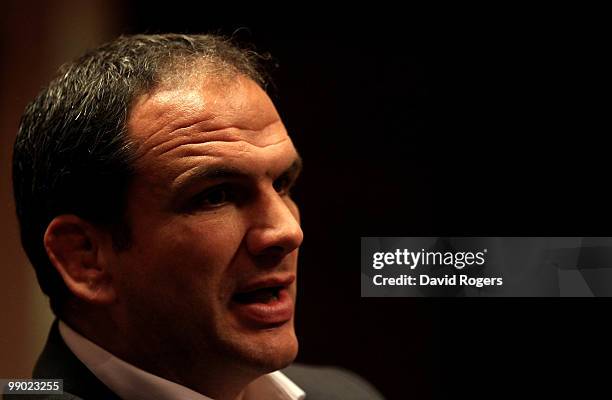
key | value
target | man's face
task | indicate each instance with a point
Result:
(210, 274)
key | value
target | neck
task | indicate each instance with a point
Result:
(219, 387)
(183, 367)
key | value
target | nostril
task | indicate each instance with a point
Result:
(274, 250)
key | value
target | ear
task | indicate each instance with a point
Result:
(74, 248)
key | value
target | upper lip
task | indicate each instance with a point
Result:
(267, 282)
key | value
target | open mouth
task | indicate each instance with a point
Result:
(263, 295)
(263, 304)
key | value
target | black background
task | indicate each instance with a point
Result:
(491, 126)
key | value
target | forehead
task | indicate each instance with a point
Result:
(203, 106)
(207, 123)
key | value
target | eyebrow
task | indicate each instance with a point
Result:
(205, 172)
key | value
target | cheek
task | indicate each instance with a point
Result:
(186, 253)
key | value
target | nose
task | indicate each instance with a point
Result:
(275, 229)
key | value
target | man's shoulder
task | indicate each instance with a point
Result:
(58, 362)
(319, 382)
(330, 383)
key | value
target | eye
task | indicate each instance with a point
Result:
(214, 196)
(283, 185)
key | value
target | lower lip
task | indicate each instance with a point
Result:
(275, 312)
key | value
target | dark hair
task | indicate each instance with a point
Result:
(72, 154)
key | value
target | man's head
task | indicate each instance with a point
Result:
(152, 185)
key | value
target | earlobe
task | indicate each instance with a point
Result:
(73, 246)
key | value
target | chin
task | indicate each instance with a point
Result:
(272, 349)
(285, 354)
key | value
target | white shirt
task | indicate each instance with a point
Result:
(132, 383)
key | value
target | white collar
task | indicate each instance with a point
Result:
(132, 383)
